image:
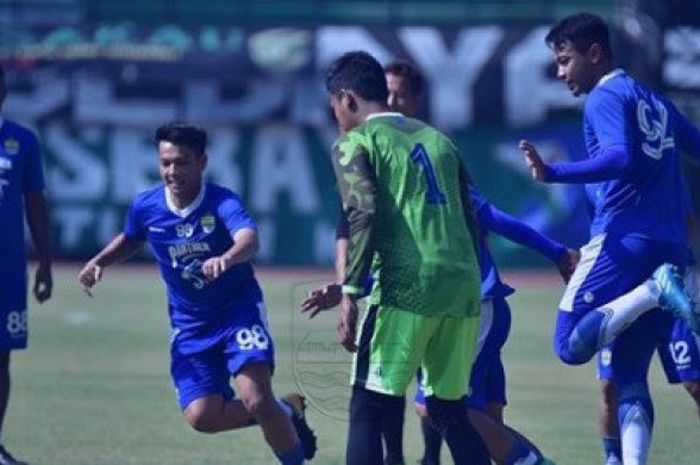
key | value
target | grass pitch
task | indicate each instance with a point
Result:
(94, 388)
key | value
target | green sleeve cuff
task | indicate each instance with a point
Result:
(353, 290)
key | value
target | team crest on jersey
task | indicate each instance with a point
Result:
(11, 146)
(208, 223)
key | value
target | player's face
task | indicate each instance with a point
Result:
(181, 170)
(401, 98)
(574, 68)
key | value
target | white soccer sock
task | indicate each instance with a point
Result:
(628, 307)
(531, 459)
(636, 436)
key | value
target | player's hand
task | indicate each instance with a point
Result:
(567, 265)
(347, 322)
(90, 275)
(214, 267)
(533, 160)
(321, 299)
(43, 283)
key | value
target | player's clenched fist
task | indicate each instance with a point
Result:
(89, 276)
(214, 267)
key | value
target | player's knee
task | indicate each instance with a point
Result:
(571, 357)
(201, 418)
(693, 388)
(259, 405)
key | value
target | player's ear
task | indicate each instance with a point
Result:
(595, 53)
(350, 101)
(204, 160)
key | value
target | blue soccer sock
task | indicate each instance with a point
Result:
(612, 446)
(364, 446)
(432, 442)
(451, 419)
(636, 416)
(293, 457)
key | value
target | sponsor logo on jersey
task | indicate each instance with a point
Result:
(11, 146)
(5, 163)
(186, 251)
(156, 229)
(208, 223)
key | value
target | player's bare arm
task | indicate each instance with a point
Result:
(118, 250)
(244, 248)
(347, 322)
(533, 160)
(38, 220)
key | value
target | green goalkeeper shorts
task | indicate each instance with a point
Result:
(393, 344)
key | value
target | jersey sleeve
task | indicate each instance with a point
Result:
(234, 214)
(134, 229)
(357, 186)
(342, 228)
(33, 175)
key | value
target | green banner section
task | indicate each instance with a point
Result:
(284, 175)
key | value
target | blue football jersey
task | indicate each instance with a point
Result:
(20, 172)
(646, 202)
(182, 240)
(491, 284)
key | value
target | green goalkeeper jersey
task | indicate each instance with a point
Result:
(405, 197)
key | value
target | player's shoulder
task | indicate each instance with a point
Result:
(18, 131)
(218, 192)
(150, 197)
(218, 197)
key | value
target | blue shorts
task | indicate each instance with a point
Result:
(488, 381)
(202, 362)
(610, 267)
(13, 310)
(678, 351)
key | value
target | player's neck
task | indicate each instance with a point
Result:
(183, 200)
(369, 108)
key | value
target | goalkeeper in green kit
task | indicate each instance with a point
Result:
(405, 196)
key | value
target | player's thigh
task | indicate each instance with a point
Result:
(199, 375)
(390, 349)
(14, 328)
(611, 266)
(680, 354)
(633, 348)
(247, 340)
(487, 383)
(494, 327)
(449, 356)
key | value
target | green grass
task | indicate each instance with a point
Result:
(94, 387)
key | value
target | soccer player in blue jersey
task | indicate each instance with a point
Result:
(21, 193)
(633, 136)
(203, 240)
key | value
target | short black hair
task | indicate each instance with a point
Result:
(360, 72)
(183, 134)
(582, 30)
(409, 72)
